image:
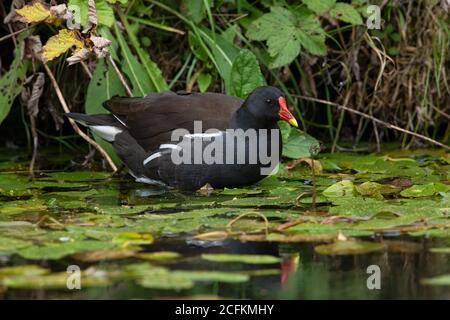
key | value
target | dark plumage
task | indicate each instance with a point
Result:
(140, 130)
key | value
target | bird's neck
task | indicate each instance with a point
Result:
(244, 119)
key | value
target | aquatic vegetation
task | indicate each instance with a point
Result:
(121, 231)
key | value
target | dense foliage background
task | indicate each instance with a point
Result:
(393, 76)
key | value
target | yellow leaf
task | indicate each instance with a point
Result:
(60, 43)
(34, 13)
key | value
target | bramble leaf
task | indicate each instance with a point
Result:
(60, 43)
(286, 33)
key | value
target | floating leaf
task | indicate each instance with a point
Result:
(426, 190)
(443, 280)
(51, 281)
(209, 276)
(60, 43)
(58, 251)
(102, 255)
(26, 270)
(344, 188)
(241, 258)
(158, 256)
(348, 247)
(440, 250)
(373, 189)
(10, 245)
(132, 238)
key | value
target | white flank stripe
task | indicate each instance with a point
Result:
(153, 156)
(106, 132)
(118, 119)
(203, 135)
(170, 146)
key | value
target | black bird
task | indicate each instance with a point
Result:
(141, 133)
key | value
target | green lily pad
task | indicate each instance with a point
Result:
(426, 190)
(348, 248)
(57, 251)
(241, 258)
(344, 188)
(443, 280)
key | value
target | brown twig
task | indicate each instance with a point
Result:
(386, 124)
(73, 123)
(121, 77)
(15, 33)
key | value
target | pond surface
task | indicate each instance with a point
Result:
(372, 226)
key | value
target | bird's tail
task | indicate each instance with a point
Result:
(107, 126)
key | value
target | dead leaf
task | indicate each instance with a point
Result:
(35, 12)
(60, 43)
(79, 56)
(92, 256)
(92, 17)
(36, 93)
(401, 183)
(313, 164)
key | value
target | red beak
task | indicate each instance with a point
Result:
(285, 114)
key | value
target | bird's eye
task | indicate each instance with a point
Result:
(269, 101)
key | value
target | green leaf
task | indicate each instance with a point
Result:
(55, 251)
(105, 14)
(132, 238)
(443, 280)
(11, 82)
(299, 144)
(135, 71)
(372, 189)
(246, 75)
(286, 33)
(104, 84)
(222, 52)
(204, 81)
(194, 9)
(349, 247)
(212, 276)
(319, 6)
(241, 258)
(425, 190)
(344, 188)
(345, 12)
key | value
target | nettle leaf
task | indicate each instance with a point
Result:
(320, 7)
(246, 75)
(286, 33)
(345, 12)
(60, 43)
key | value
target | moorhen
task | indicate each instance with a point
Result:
(195, 158)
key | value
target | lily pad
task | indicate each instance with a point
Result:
(241, 258)
(349, 247)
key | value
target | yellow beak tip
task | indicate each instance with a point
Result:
(293, 122)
